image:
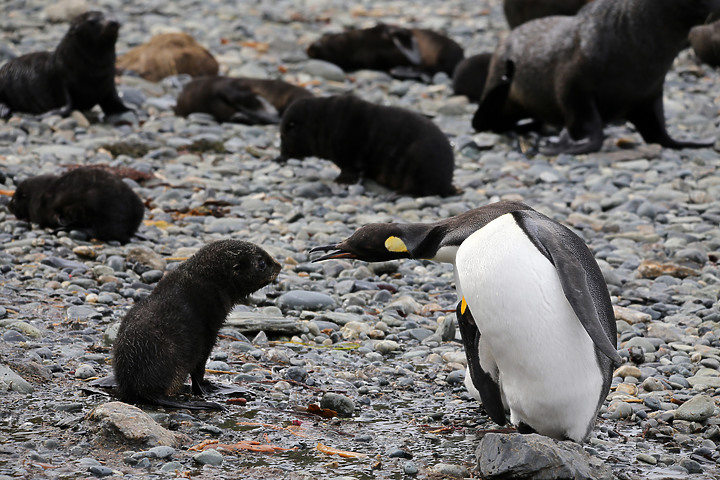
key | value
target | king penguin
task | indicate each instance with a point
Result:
(535, 314)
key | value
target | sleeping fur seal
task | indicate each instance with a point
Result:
(395, 147)
(518, 12)
(170, 334)
(78, 75)
(168, 54)
(243, 100)
(584, 71)
(389, 48)
(87, 199)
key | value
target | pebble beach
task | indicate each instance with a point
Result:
(375, 343)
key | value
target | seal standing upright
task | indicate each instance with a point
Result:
(78, 75)
(584, 71)
(534, 310)
(170, 334)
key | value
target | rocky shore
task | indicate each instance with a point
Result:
(375, 343)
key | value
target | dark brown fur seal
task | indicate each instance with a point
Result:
(170, 334)
(78, 75)
(470, 75)
(86, 199)
(584, 71)
(386, 47)
(518, 12)
(395, 147)
(705, 41)
(236, 99)
(168, 54)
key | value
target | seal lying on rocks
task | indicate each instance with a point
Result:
(395, 147)
(244, 100)
(470, 75)
(705, 41)
(168, 54)
(170, 334)
(88, 199)
(78, 75)
(518, 12)
(584, 71)
(389, 48)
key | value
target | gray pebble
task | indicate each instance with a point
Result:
(209, 457)
(344, 406)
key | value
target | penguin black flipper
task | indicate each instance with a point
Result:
(483, 382)
(581, 279)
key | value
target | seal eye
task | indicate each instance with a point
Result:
(261, 265)
(290, 124)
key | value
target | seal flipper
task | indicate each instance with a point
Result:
(483, 382)
(561, 247)
(649, 119)
(489, 114)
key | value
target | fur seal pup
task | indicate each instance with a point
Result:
(469, 76)
(518, 12)
(88, 199)
(534, 310)
(170, 334)
(168, 54)
(584, 71)
(705, 42)
(243, 100)
(387, 47)
(397, 148)
(78, 75)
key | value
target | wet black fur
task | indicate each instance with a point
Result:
(78, 75)
(518, 12)
(170, 334)
(470, 75)
(397, 148)
(585, 71)
(86, 199)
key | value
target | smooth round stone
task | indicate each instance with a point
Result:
(209, 457)
(152, 276)
(627, 371)
(455, 377)
(305, 300)
(100, 470)
(450, 470)
(698, 409)
(344, 406)
(691, 465)
(386, 346)
(85, 371)
(326, 70)
(296, 374)
(399, 453)
(641, 342)
(652, 384)
(410, 468)
(171, 466)
(12, 336)
(618, 410)
(162, 451)
(374, 357)
(645, 458)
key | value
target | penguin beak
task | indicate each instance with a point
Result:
(335, 252)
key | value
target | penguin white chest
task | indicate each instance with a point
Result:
(530, 334)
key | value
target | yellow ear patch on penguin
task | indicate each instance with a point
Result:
(394, 244)
(463, 306)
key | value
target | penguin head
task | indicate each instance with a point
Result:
(378, 242)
